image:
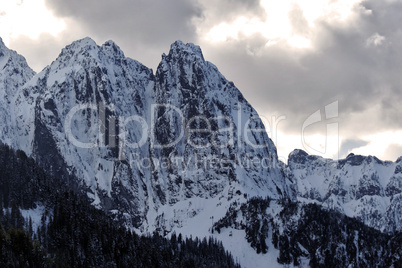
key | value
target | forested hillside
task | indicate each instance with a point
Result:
(73, 233)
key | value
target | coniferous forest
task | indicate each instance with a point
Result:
(73, 233)
(325, 238)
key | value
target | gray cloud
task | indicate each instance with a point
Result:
(139, 27)
(143, 29)
(364, 79)
(298, 21)
(42, 51)
(215, 12)
(350, 144)
(393, 152)
(145, 21)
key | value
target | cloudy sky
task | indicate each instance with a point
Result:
(317, 71)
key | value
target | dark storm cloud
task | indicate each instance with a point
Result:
(215, 12)
(145, 21)
(143, 29)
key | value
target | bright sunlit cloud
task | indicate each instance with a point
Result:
(299, 41)
(375, 40)
(30, 18)
(378, 143)
(316, 144)
(278, 23)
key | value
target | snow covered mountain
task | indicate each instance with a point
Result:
(360, 187)
(222, 160)
(16, 104)
(143, 143)
(76, 125)
(180, 151)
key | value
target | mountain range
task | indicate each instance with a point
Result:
(180, 150)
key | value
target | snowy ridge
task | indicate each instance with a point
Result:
(16, 104)
(361, 187)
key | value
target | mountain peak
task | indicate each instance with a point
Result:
(4, 50)
(179, 48)
(80, 47)
(2, 43)
(15, 63)
(113, 48)
(298, 156)
(84, 42)
(87, 47)
(111, 43)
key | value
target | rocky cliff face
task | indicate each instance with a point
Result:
(222, 158)
(207, 102)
